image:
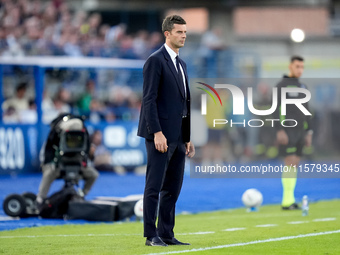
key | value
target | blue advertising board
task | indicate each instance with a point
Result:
(20, 145)
(18, 148)
(127, 149)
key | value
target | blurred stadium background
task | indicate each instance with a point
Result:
(86, 57)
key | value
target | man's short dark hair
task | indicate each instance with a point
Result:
(169, 21)
(298, 58)
(21, 86)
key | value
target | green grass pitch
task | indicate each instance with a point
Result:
(269, 231)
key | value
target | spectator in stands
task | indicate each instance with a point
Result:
(61, 101)
(11, 26)
(29, 116)
(126, 48)
(10, 116)
(94, 23)
(33, 34)
(19, 101)
(71, 46)
(140, 44)
(212, 43)
(85, 100)
(134, 104)
(79, 21)
(123, 100)
(48, 109)
(60, 104)
(12, 46)
(49, 16)
(115, 34)
(155, 41)
(32, 28)
(97, 111)
(102, 157)
(102, 48)
(110, 116)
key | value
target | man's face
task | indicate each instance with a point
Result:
(296, 68)
(177, 35)
(21, 93)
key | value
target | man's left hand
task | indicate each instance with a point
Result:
(190, 149)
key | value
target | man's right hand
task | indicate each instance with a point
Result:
(282, 137)
(160, 142)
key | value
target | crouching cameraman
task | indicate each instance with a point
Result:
(51, 155)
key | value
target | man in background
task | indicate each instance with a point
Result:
(292, 139)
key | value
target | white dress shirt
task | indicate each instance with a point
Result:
(173, 56)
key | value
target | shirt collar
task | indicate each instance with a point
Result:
(172, 54)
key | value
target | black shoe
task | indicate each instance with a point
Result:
(294, 206)
(173, 241)
(155, 241)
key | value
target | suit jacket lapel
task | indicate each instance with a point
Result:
(173, 70)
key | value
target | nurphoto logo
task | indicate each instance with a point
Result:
(238, 106)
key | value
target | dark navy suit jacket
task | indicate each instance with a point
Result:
(163, 99)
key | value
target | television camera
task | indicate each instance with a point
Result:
(70, 145)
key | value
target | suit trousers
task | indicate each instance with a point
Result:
(164, 178)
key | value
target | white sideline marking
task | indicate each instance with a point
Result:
(324, 219)
(85, 235)
(197, 233)
(248, 243)
(297, 222)
(75, 235)
(266, 225)
(234, 229)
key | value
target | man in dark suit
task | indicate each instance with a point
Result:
(165, 125)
